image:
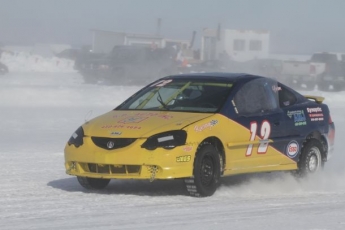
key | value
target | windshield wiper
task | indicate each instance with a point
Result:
(160, 100)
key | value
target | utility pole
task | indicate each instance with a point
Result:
(159, 22)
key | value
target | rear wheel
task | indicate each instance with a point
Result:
(206, 172)
(311, 158)
(93, 183)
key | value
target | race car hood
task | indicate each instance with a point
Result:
(136, 124)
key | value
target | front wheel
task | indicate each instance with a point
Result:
(93, 183)
(311, 158)
(206, 172)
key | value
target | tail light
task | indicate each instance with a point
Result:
(331, 132)
(330, 121)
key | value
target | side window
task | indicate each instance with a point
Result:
(256, 97)
(286, 97)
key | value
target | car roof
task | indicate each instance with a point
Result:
(231, 77)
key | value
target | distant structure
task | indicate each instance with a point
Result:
(103, 41)
(239, 45)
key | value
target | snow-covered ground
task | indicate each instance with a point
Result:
(39, 112)
(26, 62)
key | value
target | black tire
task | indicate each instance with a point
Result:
(93, 183)
(206, 172)
(324, 86)
(338, 87)
(311, 159)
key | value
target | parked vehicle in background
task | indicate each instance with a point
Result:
(127, 64)
(333, 78)
(298, 74)
(326, 70)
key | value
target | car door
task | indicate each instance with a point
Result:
(297, 125)
(258, 110)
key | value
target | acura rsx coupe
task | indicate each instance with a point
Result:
(201, 127)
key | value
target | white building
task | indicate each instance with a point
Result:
(239, 45)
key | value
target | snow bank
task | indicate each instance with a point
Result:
(25, 62)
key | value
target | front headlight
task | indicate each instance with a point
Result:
(167, 140)
(77, 138)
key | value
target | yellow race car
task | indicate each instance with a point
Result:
(200, 127)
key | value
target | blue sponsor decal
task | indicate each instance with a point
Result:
(298, 116)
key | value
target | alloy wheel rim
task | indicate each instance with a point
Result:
(207, 170)
(314, 160)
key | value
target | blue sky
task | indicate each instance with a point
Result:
(296, 26)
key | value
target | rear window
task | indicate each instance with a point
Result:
(256, 97)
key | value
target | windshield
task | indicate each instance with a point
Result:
(180, 95)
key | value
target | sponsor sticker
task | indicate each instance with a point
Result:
(120, 115)
(314, 110)
(116, 133)
(315, 114)
(137, 117)
(185, 158)
(317, 119)
(234, 105)
(292, 149)
(165, 116)
(209, 125)
(298, 116)
(132, 120)
(120, 127)
(187, 148)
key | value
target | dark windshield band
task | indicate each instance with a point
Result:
(180, 95)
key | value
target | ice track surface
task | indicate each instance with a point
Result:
(39, 112)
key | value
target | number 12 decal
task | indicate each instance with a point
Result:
(264, 134)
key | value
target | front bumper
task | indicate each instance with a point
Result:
(131, 162)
